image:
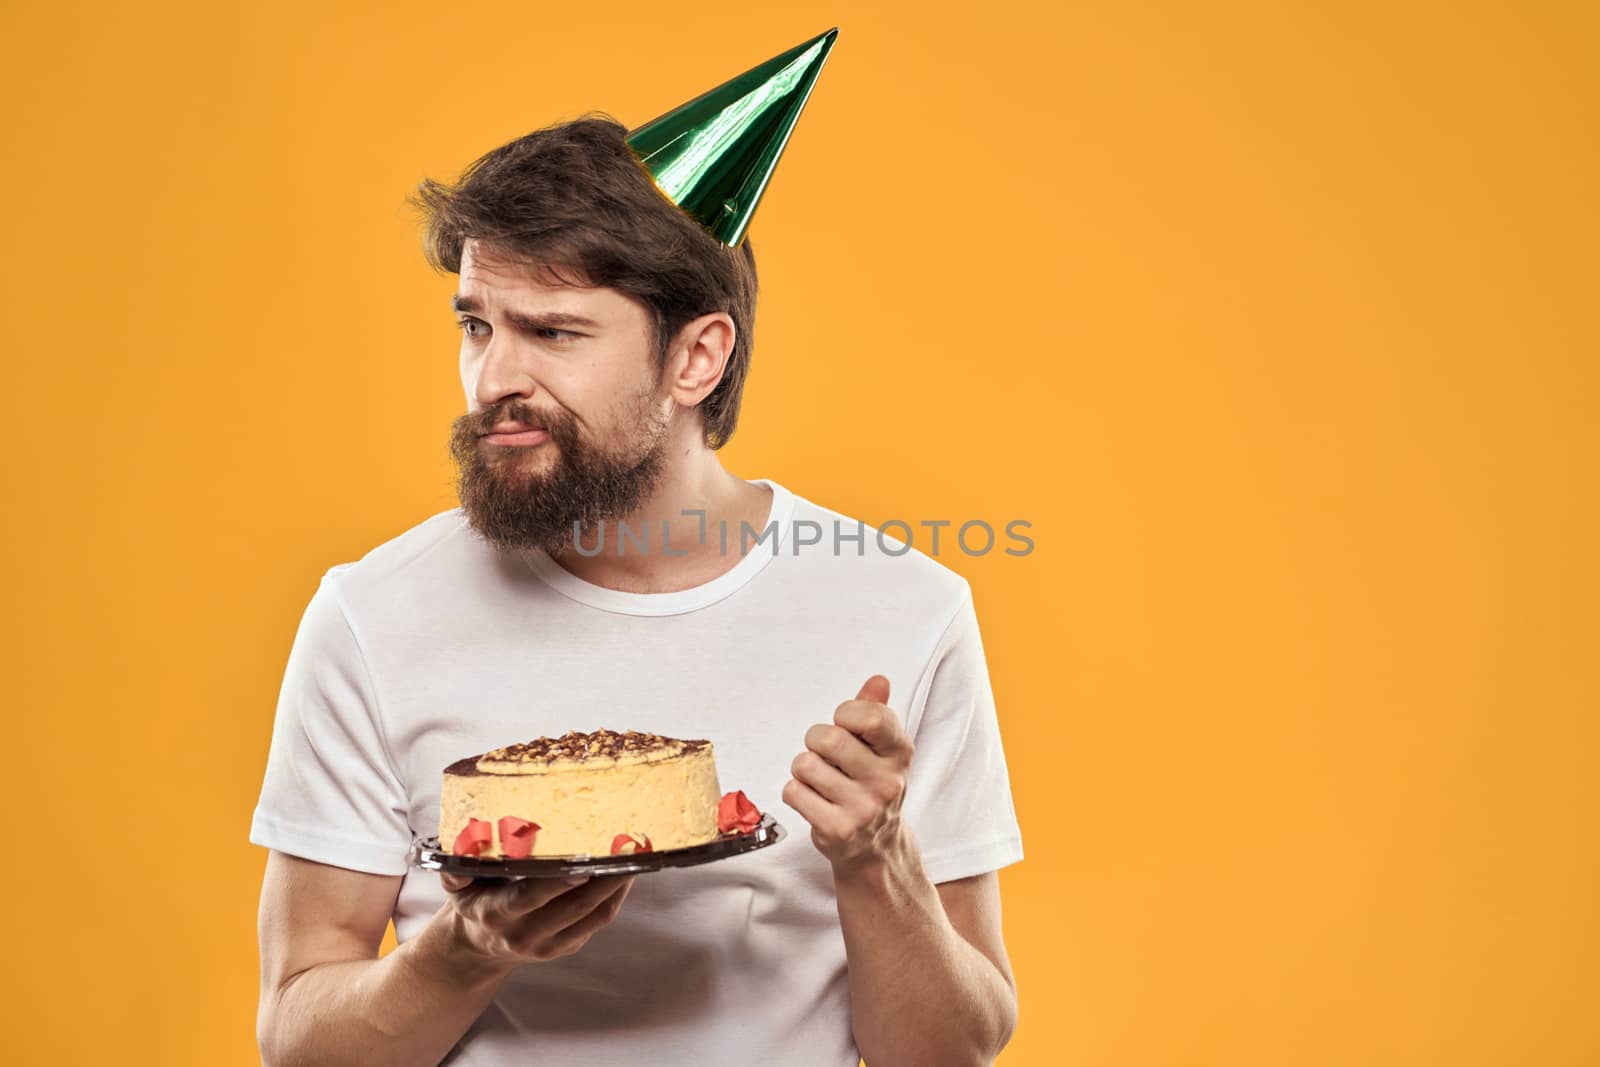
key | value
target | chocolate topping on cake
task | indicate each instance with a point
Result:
(468, 766)
(601, 746)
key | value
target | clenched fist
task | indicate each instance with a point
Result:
(851, 779)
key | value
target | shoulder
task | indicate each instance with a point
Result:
(880, 562)
(391, 571)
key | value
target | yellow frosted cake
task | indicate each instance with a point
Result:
(599, 794)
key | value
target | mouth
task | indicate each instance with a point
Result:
(518, 437)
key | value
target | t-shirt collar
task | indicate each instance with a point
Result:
(680, 600)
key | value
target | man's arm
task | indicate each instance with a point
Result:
(326, 998)
(930, 982)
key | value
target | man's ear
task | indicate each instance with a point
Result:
(699, 356)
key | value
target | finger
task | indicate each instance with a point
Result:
(843, 749)
(605, 909)
(468, 887)
(815, 808)
(876, 725)
(823, 777)
(541, 931)
(566, 908)
(497, 901)
(534, 893)
(875, 690)
(575, 936)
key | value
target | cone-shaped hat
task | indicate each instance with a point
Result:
(714, 155)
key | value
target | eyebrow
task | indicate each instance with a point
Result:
(545, 320)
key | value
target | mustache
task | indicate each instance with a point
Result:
(518, 413)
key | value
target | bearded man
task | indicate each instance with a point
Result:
(606, 340)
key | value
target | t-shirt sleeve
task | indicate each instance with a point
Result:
(330, 792)
(958, 793)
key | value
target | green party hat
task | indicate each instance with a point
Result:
(714, 155)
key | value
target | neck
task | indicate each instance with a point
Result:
(693, 481)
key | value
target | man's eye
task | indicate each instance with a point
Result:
(550, 333)
(468, 326)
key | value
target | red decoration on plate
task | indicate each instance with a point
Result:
(736, 814)
(473, 838)
(620, 843)
(516, 837)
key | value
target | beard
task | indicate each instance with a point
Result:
(545, 496)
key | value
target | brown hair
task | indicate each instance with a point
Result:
(573, 197)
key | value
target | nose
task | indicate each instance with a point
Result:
(498, 373)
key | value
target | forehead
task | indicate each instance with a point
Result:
(491, 279)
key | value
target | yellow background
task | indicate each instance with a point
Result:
(1276, 320)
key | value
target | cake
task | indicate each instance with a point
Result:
(599, 794)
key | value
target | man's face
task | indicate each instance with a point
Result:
(577, 365)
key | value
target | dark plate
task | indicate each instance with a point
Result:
(427, 854)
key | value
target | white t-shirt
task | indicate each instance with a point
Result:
(435, 646)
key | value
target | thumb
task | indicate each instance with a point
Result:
(454, 883)
(875, 689)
